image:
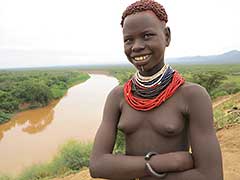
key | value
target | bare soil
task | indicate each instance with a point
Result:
(229, 139)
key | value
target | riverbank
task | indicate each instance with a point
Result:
(42, 131)
(24, 90)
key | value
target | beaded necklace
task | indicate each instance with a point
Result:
(151, 81)
(154, 76)
(145, 93)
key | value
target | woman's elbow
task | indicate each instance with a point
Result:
(93, 169)
(98, 166)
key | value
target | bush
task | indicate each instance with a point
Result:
(231, 87)
(74, 155)
(71, 157)
(32, 91)
(57, 92)
(5, 177)
(120, 143)
(35, 172)
(4, 117)
(218, 92)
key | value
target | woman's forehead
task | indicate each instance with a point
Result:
(142, 20)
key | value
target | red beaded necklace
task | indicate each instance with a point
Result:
(144, 104)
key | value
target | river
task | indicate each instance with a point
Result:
(34, 136)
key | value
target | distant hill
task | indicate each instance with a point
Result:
(231, 57)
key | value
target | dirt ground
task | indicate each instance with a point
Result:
(230, 145)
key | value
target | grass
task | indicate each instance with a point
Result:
(225, 115)
(5, 177)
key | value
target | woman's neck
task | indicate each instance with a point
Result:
(153, 71)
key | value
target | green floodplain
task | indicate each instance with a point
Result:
(22, 89)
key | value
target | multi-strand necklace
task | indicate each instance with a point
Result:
(147, 92)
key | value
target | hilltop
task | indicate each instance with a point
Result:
(231, 57)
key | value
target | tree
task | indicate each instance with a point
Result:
(210, 80)
(32, 91)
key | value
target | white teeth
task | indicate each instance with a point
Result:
(140, 58)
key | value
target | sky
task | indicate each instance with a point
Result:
(68, 32)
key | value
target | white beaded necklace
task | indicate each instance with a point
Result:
(149, 81)
(154, 76)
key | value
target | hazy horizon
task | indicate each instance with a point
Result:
(75, 57)
(90, 33)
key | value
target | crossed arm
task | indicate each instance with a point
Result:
(205, 147)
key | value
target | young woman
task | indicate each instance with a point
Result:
(160, 114)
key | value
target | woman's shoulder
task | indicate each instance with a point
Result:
(115, 98)
(191, 90)
(117, 91)
(194, 97)
(116, 94)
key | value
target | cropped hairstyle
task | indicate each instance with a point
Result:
(144, 5)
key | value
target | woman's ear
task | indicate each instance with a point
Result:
(167, 36)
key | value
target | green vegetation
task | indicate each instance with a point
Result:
(122, 74)
(5, 177)
(219, 80)
(72, 157)
(119, 147)
(36, 88)
(227, 113)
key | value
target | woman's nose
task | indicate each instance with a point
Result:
(138, 45)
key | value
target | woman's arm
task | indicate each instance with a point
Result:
(205, 147)
(104, 164)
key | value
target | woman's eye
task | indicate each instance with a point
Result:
(127, 40)
(146, 36)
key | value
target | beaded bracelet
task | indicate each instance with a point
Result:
(150, 169)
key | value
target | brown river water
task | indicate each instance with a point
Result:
(34, 136)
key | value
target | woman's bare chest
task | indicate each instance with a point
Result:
(165, 120)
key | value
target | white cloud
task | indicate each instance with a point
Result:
(92, 27)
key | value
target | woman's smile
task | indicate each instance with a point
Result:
(141, 60)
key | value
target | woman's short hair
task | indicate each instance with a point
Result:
(144, 5)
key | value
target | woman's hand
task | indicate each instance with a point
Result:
(172, 162)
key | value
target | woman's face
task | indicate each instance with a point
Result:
(145, 39)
